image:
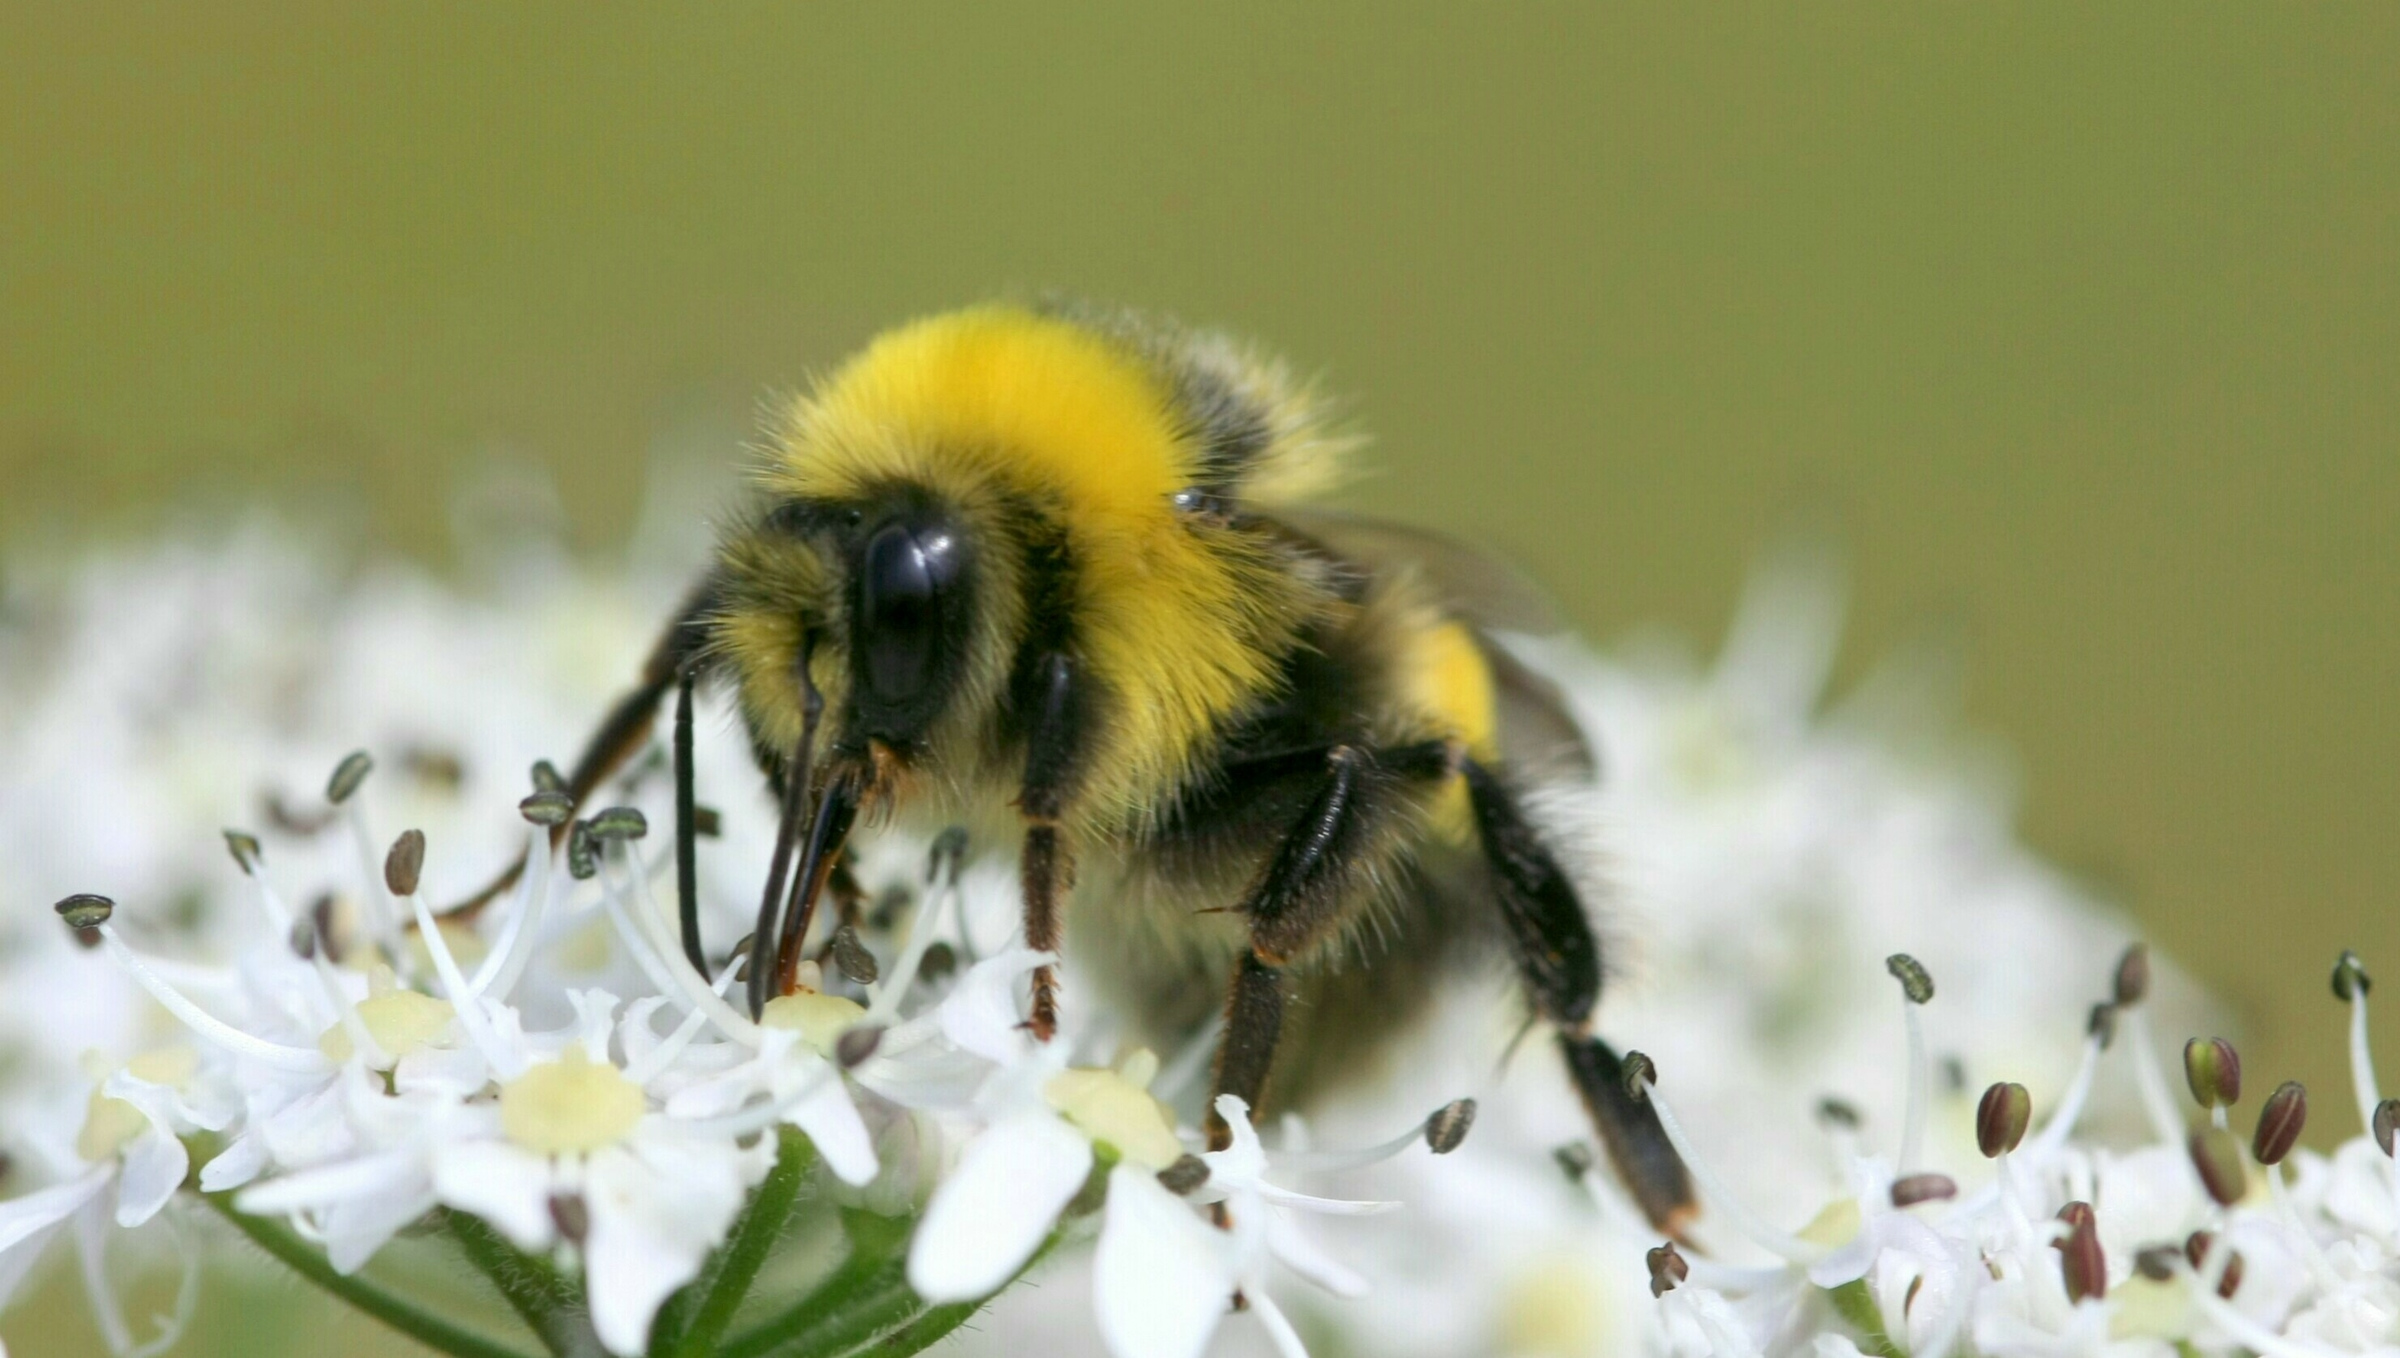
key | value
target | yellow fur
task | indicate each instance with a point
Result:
(997, 400)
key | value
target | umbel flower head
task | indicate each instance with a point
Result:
(272, 1032)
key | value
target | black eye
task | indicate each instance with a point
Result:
(901, 580)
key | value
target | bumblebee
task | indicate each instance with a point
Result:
(1050, 573)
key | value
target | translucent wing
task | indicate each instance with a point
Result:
(1487, 594)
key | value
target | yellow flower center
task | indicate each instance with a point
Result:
(1113, 1107)
(570, 1105)
(110, 1123)
(819, 1019)
(400, 1021)
(1837, 1225)
(1554, 1307)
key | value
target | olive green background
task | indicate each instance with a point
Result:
(2080, 323)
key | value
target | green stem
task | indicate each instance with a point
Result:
(864, 1281)
(1856, 1305)
(725, 1280)
(936, 1323)
(551, 1306)
(428, 1329)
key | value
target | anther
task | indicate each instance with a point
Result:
(84, 910)
(2217, 1157)
(1838, 1112)
(1447, 1128)
(571, 1215)
(347, 775)
(1185, 1176)
(1916, 1188)
(2385, 1124)
(1639, 1074)
(303, 940)
(321, 925)
(2001, 1119)
(2156, 1262)
(2133, 975)
(619, 823)
(2102, 1024)
(939, 962)
(547, 808)
(1915, 981)
(1668, 1269)
(245, 850)
(852, 958)
(706, 823)
(2196, 1248)
(405, 864)
(856, 1044)
(2214, 1071)
(546, 778)
(583, 854)
(948, 853)
(2280, 1119)
(1575, 1159)
(2080, 1260)
(2350, 977)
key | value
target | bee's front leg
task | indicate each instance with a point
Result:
(1058, 705)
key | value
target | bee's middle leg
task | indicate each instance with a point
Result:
(1313, 877)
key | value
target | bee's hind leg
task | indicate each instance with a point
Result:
(1558, 960)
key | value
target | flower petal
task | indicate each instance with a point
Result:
(155, 1163)
(832, 1122)
(1162, 1277)
(986, 1219)
(505, 1185)
(27, 1223)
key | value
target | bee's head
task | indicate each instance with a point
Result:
(910, 586)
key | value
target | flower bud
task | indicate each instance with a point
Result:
(347, 775)
(547, 808)
(247, 855)
(2080, 1260)
(2214, 1071)
(2133, 976)
(619, 822)
(1185, 1176)
(1668, 1268)
(1916, 1188)
(2218, 1158)
(2385, 1124)
(2001, 1119)
(405, 864)
(1915, 981)
(2350, 977)
(852, 957)
(1447, 1128)
(84, 910)
(1639, 1074)
(2279, 1122)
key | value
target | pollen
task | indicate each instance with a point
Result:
(1112, 1108)
(400, 1021)
(819, 1019)
(570, 1105)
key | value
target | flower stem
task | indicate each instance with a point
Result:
(551, 1306)
(712, 1298)
(428, 1329)
(866, 1293)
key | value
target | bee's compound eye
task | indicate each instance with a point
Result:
(901, 580)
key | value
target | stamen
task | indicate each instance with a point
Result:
(505, 964)
(506, 1063)
(2213, 1069)
(341, 790)
(210, 1028)
(2350, 984)
(1916, 989)
(650, 1067)
(1749, 1223)
(2165, 1123)
(883, 999)
(662, 959)
(1451, 1120)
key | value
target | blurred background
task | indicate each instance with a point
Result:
(2081, 330)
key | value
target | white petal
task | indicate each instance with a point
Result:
(986, 1219)
(1244, 1163)
(240, 1162)
(506, 1186)
(1302, 1256)
(657, 1209)
(155, 1163)
(832, 1122)
(981, 1014)
(27, 1223)
(1162, 1277)
(356, 1229)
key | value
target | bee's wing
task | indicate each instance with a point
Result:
(1537, 731)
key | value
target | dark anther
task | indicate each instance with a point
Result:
(2080, 1260)
(1185, 1176)
(583, 852)
(2218, 1159)
(1639, 1075)
(2001, 1119)
(2386, 1123)
(547, 808)
(1575, 1159)
(1837, 1112)
(2102, 1024)
(321, 922)
(2196, 1247)
(246, 853)
(1916, 1188)
(949, 851)
(619, 822)
(347, 775)
(571, 1215)
(852, 957)
(939, 961)
(303, 939)
(2350, 977)
(2156, 1262)
(1668, 1269)
(2214, 1071)
(405, 864)
(546, 777)
(83, 910)
(856, 1044)
(2133, 975)
(1915, 981)
(707, 823)
(2280, 1119)
(1447, 1128)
